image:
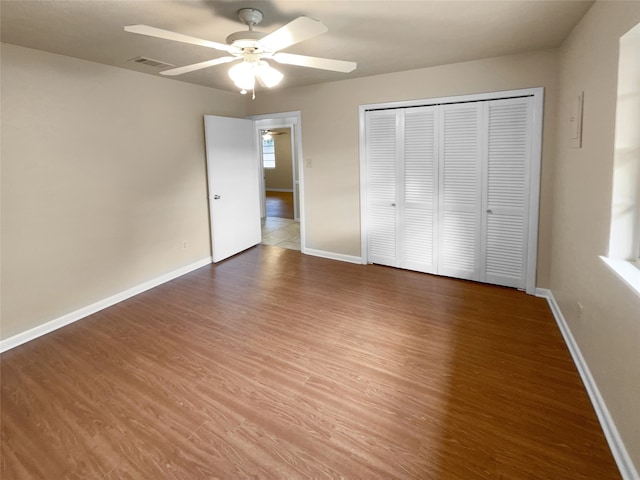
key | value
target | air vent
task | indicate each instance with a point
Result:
(150, 62)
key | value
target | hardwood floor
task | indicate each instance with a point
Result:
(274, 364)
(279, 204)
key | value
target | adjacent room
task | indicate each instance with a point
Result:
(280, 222)
(304, 239)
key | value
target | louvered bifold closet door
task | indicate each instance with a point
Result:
(382, 154)
(460, 190)
(506, 191)
(418, 190)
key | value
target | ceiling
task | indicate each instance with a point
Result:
(381, 36)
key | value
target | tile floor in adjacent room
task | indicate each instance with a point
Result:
(281, 232)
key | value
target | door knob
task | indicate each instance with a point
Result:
(216, 197)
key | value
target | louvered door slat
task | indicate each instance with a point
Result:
(507, 167)
(460, 182)
(381, 173)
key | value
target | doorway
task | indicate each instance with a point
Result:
(278, 172)
(279, 147)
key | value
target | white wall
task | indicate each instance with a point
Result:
(103, 181)
(608, 333)
(330, 136)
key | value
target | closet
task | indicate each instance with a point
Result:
(450, 188)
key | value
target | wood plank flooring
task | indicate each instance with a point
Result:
(279, 204)
(278, 365)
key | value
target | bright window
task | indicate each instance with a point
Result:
(268, 152)
(624, 243)
(625, 218)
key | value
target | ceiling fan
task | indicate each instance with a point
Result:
(253, 48)
(273, 132)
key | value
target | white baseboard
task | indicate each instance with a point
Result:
(619, 451)
(79, 314)
(279, 190)
(332, 255)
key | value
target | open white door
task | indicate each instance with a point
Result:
(234, 188)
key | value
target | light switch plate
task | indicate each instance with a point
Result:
(575, 122)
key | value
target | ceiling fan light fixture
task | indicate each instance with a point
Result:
(243, 76)
(268, 76)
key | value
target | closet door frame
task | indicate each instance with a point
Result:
(537, 95)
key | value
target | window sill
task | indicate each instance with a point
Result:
(626, 271)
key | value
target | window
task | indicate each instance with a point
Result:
(624, 242)
(625, 218)
(268, 151)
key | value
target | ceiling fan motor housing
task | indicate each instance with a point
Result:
(246, 39)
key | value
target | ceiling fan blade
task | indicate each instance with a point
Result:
(315, 62)
(302, 28)
(176, 37)
(197, 66)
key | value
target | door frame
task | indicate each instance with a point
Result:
(292, 120)
(534, 179)
(267, 125)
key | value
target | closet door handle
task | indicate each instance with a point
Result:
(489, 210)
(393, 204)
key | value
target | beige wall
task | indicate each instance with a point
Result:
(609, 331)
(103, 181)
(330, 136)
(281, 177)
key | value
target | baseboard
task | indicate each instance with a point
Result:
(79, 314)
(619, 451)
(332, 255)
(279, 190)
